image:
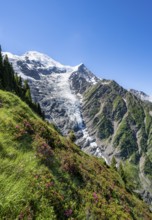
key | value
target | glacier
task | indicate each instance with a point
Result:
(59, 90)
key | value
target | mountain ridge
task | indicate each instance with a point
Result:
(39, 56)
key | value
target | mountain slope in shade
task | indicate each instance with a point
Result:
(45, 176)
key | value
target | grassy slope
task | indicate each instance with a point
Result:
(45, 176)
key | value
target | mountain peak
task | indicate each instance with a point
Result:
(43, 58)
(34, 52)
(78, 67)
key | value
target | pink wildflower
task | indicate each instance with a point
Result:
(95, 196)
(68, 212)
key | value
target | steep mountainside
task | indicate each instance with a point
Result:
(45, 176)
(122, 125)
(108, 121)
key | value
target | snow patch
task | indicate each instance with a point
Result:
(150, 99)
(125, 100)
(93, 80)
(150, 113)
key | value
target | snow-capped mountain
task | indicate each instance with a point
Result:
(143, 96)
(58, 88)
(33, 64)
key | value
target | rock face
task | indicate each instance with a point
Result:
(108, 120)
(81, 79)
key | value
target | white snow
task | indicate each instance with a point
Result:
(125, 100)
(93, 81)
(13, 59)
(150, 113)
(145, 98)
(45, 60)
(93, 145)
(88, 138)
(150, 98)
(62, 90)
(99, 154)
(11, 56)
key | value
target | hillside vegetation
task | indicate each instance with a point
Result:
(45, 176)
(122, 126)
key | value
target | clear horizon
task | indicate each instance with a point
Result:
(112, 38)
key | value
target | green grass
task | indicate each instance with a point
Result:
(131, 173)
(125, 139)
(45, 176)
(105, 127)
(119, 108)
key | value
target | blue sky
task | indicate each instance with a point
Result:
(113, 38)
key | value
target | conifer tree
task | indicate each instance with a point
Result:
(26, 86)
(8, 75)
(10, 81)
(28, 95)
(39, 109)
(1, 69)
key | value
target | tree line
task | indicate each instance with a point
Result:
(10, 81)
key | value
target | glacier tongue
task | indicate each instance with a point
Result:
(62, 91)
